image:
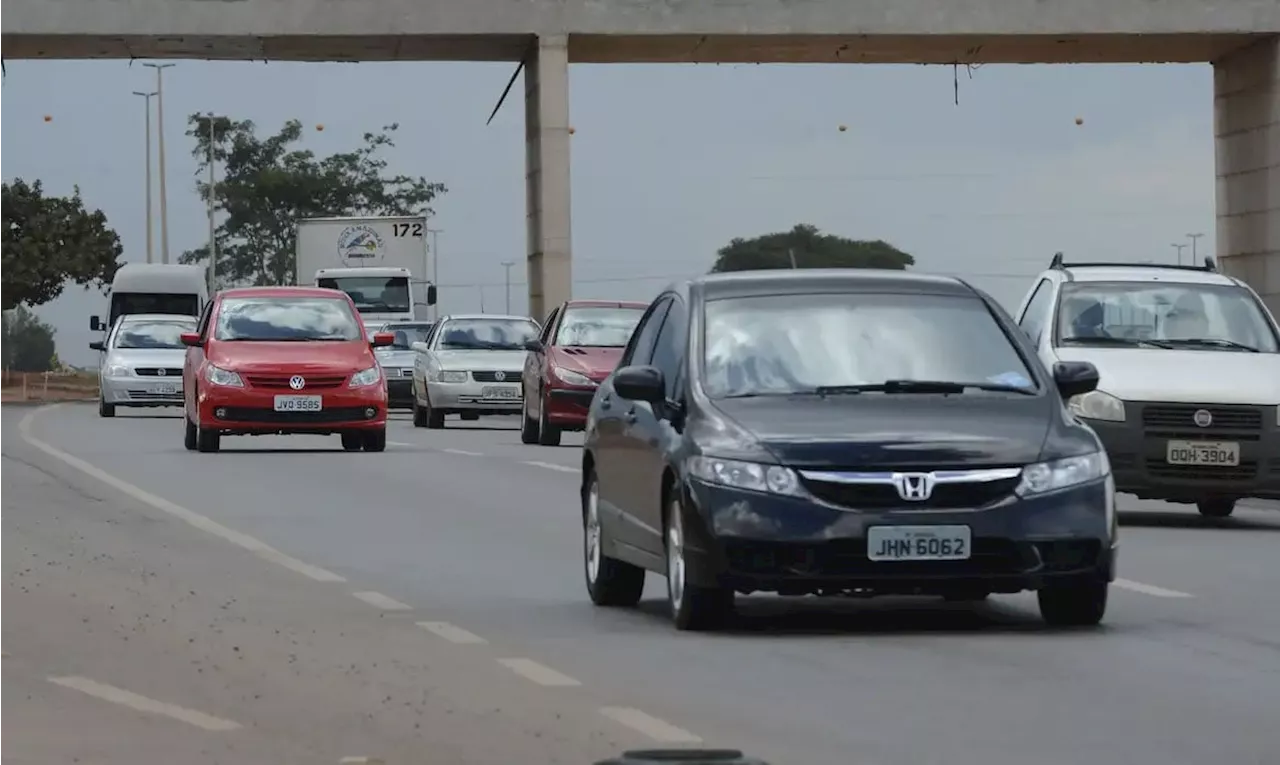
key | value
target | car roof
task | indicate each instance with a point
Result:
(1143, 273)
(605, 304)
(810, 280)
(497, 316)
(130, 318)
(280, 292)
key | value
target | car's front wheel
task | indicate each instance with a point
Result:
(1081, 605)
(528, 425)
(548, 434)
(1216, 507)
(105, 409)
(692, 607)
(375, 440)
(610, 582)
(189, 434)
(419, 414)
(207, 440)
(352, 442)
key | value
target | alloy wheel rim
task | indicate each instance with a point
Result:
(675, 560)
(592, 535)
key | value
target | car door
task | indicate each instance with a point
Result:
(535, 365)
(195, 358)
(606, 440)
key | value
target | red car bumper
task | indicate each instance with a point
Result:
(567, 407)
(249, 411)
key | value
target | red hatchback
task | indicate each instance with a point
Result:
(283, 360)
(581, 343)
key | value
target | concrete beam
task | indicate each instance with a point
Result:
(546, 125)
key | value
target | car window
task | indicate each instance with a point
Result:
(287, 319)
(640, 347)
(548, 326)
(670, 349)
(203, 326)
(1036, 312)
(597, 326)
(1167, 314)
(786, 344)
(487, 334)
(152, 334)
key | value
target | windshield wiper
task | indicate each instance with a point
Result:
(1126, 341)
(920, 386)
(1214, 342)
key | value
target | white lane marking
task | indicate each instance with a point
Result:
(1150, 589)
(378, 600)
(463, 452)
(399, 443)
(538, 673)
(552, 466)
(144, 704)
(658, 730)
(361, 761)
(452, 633)
(255, 546)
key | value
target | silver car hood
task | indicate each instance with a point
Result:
(172, 358)
(396, 359)
(507, 361)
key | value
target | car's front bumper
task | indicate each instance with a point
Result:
(248, 411)
(1137, 449)
(476, 396)
(761, 542)
(142, 391)
(567, 407)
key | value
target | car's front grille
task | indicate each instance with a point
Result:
(1245, 471)
(282, 381)
(1181, 417)
(155, 371)
(141, 393)
(337, 414)
(492, 376)
(848, 558)
(946, 496)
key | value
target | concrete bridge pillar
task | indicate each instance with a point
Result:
(546, 125)
(1246, 108)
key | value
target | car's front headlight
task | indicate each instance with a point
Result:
(1096, 405)
(220, 376)
(364, 377)
(573, 378)
(753, 476)
(448, 376)
(1044, 477)
(116, 370)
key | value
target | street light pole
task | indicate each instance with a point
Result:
(506, 265)
(1179, 248)
(164, 197)
(146, 99)
(1194, 254)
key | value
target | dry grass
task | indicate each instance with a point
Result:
(52, 386)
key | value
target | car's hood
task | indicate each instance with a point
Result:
(170, 358)
(507, 361)
(872, 430)
(395, 359)
(348, 356)
(1189, 377)
(595, 363)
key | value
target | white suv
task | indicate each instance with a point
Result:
(1189, 403)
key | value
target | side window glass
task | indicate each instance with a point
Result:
(1033, 317)
(669, 351)
(640, 349)
(549, 326)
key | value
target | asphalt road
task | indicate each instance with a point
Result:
(426, 605)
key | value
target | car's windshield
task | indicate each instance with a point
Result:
(598, 326)
(372, 294)
(487, 334)
(783, 344)
(286, 319)
(153, 334)
(1163, 315)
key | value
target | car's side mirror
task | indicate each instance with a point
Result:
(431, 294)
(382, 339)
(98, 345)
(640, 383)
(1075, 378)
(190, 339)
(95, 324)
(533, 346)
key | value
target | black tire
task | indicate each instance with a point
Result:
(694, 608)
(528, 425)
(352, 442)
(189, 434)
(1081, 605)
(105, 409)
(375, 440)
(208, 440)
(610, 582)
(435, 419)
(470, 416)
(548, 434)
(419, 414)
(1218, 507)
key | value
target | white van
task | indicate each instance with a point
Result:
(157, 289)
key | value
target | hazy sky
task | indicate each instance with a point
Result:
(670, 162)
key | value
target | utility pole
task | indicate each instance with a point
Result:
(506, 265)
(1179, 248)
(1194, 254)
(146, 99)
(435, 269)
(164, 196)
(213, 237)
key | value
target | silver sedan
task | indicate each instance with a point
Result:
(471, 366)
(142, 361)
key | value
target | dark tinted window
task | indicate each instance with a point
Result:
(640, 348)
(281, 319)
(669, 351)
(152, 334)
(123, 303)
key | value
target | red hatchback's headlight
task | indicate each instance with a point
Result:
(569, 377)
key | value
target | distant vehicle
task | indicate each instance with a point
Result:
(283, 360)
(155, 288)
(470, 366)
(1189, 404)
(397, 359)
(142, 361)
(580, 345)
(842, 432)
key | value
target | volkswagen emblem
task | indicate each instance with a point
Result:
(161, 372)
(500, 376)
(296, 382)
(914, 487)
(1202, 418)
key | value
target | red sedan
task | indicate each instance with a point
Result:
(283, 360)
(581, 343)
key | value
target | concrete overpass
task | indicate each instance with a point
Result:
(1240, 37)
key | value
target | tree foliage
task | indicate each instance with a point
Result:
(48, 241)
(28, 342)
(810, 249)
(265, 185)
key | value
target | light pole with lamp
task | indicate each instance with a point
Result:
(1179, 248)
(146, 98)
(1194, 254)
(506, 267)
(164, 199)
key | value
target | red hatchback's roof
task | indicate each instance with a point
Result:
(281, 292)
(604, 304)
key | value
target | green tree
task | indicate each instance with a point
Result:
(810, 249)
(28, 342)
(267, 184)
(48, 241)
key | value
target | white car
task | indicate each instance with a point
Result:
(142, 361)
(1189, 401)
(470, 365)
